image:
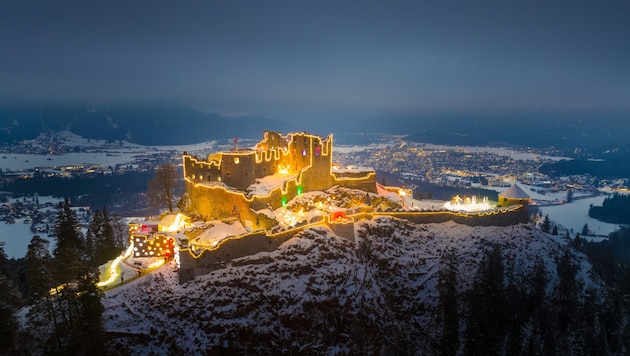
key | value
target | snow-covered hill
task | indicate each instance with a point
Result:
(321, 294)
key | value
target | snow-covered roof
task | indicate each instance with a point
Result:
(265, 184)
(218, 231)
(514, 192)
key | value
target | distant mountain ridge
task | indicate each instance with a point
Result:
(579, 134)
(162, 124)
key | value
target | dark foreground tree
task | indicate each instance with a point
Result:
(69, 248)
(487, 304)
(161, 189)
(567, 292)
(38, 263)
(100, 240)
(88, 327)
(448, 320)
(546, 225)
(9, 301)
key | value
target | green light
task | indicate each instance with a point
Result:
(284, 201)
(299, 190)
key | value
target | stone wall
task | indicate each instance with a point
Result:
(192, 264)
(507, 217)
(343, 229)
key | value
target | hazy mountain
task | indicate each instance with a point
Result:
(569, 132)
(143, 124)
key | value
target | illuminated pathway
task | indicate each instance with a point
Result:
(114, 269)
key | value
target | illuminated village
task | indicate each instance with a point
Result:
(250, 200)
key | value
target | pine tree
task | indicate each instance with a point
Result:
(538, 286)
(516, 313)
(9, 301)
(38, 268)
(92, 237)
(546, 226)
(537, 308)
(447, 305)
(567, 290)
(108, 243)
(88, 327)
(68, 250)
(101, 235)
(486, 321)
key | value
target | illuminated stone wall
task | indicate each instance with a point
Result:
(363, 181)
(517, 215)
(205, 261)
(197, 170)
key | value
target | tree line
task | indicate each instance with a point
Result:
(94, 190)
(614, 210)
(538, 313)
(58, 289)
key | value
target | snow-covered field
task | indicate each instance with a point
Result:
(572, 215)
(575, 215)
(96, 152)
(17, 237)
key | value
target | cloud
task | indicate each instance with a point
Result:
(320, 58)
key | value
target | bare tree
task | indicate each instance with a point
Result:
(121, 231)
(162, 186)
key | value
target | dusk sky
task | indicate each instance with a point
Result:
(301, 60)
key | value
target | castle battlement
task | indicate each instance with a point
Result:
(241, 181)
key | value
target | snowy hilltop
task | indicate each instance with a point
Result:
(401, 288)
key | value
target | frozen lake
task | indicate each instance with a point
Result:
(575, 215)
(16, 162)
(96, 152)
(17, 237)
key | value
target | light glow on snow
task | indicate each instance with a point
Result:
(113, 268)
(177, 224)
(467, 204)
